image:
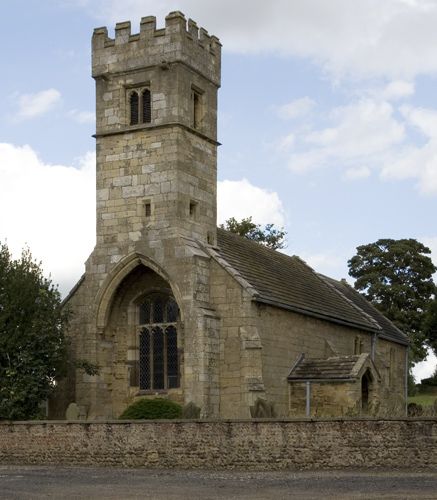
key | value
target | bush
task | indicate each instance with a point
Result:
(152, 409)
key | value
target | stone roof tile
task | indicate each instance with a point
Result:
(288, 282)
(336, 368)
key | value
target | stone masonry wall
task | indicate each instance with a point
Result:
(240, 346)
(262, 445)
(285, 335)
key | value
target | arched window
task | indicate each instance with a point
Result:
(134, 109)
(158, 356)
(147, 106)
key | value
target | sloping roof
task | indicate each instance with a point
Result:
(338, 368)
(389, 330)
(289, 283)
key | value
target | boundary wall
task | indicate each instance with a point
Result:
(225, 444)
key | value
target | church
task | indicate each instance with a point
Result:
(171, 306)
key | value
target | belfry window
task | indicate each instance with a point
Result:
(158, 349)
(147, 106)
(140, 106)
(133, 103)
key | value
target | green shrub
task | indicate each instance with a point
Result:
(152, 409)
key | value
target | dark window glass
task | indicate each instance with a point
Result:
(158, 358)
(147, 106)
(172, 357)
(145, 359)
(158, 310)
(145, 312)
(133, 101)
(172, 311)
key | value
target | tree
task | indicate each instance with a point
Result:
(268, 236)
(430, 326)
(32, 344)
(396, 276)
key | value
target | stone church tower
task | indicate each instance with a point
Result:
(156, 134)
(171, 306)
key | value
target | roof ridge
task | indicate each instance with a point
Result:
(257, 245)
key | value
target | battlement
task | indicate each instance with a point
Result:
(179, 41)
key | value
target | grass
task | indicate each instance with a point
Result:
(423, 399)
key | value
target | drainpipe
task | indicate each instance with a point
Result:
(406, 381)
(308, 398)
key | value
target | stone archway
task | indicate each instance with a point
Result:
(124, 268)
(133, 345)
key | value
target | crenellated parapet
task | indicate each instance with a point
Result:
(180, 41)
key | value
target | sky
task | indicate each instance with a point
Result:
(327, 119)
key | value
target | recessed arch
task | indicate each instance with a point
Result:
(118, 274)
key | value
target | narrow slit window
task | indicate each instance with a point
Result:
(133, 102)
(196, 109)
(193, 209)
(147, 209)
(147, 106)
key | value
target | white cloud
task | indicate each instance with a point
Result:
(424, 119)
(53, 209)
(39, 103)
(369, 135)
(426, 368)
(82, 116)
(417, 162)
(296, 109)
(359, 131)
(356, 173)
(286, 143)
(398, 90)
(360, 39)
(242, 199)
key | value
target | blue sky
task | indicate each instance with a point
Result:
(327, 116)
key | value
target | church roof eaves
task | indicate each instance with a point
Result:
(289, 283)
(389, 331)
(339, 368)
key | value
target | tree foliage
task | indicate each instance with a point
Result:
(268, 235)
(396, 276)
(32, 344)
(430, 326)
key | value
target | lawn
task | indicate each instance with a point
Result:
(423, 399)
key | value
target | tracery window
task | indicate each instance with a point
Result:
(158, 349)
(140, 106)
